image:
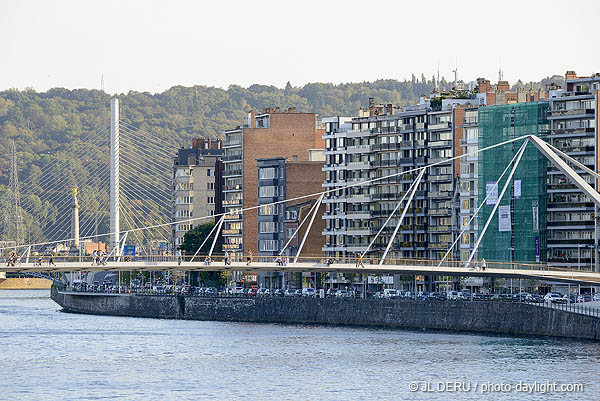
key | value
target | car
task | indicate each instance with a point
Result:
(330, 293)
(298, 293)
(584, 298)
(555, 298)
(278, 292)
(211, 292)
(534, 298)
(251, 292)
(309, 292)
(520, 296)
(289, 292)
(261, 292)
(477, 296)
(454, 295)
(342, 294)
(437, 296)
(390, 293)
(596, 297)
(570, 298)
(238, 291)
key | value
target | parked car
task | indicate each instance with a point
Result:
(477, 296)
(289, 292)
(341, 294)
(555, 298)
(596, 297)
(278, 292)
(520, 296)
(251, 292)
(390, 293)
(437, 296)
(535, 298)
(584, 298)
(454, 295)
(298, 293)
(309, 292)
(261, 292)
(570, 298)
(211, 292)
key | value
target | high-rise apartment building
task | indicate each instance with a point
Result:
(273, 133)
(280, 179)
(381, 142)
(197, 185)
(572, 218)
(517, 232)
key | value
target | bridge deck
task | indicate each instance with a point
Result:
(569, 276)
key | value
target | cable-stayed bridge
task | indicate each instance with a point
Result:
(137, 167)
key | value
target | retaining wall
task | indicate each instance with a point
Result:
(492, 317)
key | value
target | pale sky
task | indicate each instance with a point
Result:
(150, 46)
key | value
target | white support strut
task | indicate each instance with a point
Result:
(297, 229)
(206, 239)
(412, 194)
(219, 225)
(504, 188)
(312, 219)
(389, 218)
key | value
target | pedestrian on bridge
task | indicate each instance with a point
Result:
(483, 265)
(179, 257)
(51, 260)
(226, 259)
(359, 261)
(249, 257)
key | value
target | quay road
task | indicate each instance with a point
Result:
(408, 266)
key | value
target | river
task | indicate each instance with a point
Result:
(50, 355)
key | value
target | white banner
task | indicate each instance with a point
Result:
(491, 192)
(504, 218)
(536, 219)
(517, 189)
(380, 279)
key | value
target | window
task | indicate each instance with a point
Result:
(208, 172)
(210, 186)
(268, 245)
(268, 210)
(291, 214)
(210, 200)
(267, 191)
(289, 233)
(184, 200)
(267, 227)
(267, 173)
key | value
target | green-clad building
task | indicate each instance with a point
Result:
(518, 230)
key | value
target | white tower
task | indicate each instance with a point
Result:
(114, 175)
(75, 220)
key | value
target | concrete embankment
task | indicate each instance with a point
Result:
(490, 317)
(25, 283)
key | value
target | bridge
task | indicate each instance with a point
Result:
(381, 265)
(407, 267)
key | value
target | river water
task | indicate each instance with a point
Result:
(46, 354)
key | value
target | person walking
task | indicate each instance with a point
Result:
(359, 261)
(226, 259)
(51, 259)
(179, 257)
(483, 265)
(249, 257)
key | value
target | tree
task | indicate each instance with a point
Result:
(196, 236)
(288, 89)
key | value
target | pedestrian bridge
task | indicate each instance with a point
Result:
(409, 267)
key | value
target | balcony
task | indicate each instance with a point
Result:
(359, 165)
(440, 126)
(440, 144)
(232, 202)
(233, 142)
(359, 149)
(358, 214)
(232, 173)
(570, 113)
(232, 231)
(232, 158)
(237, 187)
(358, 198)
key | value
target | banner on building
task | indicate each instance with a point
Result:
(536, 219)
(537, 249)
(491, 192)
(504, 218)
(517, 189)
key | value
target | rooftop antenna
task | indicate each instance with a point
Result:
(438, 77)
(455, 71)
(500, 73)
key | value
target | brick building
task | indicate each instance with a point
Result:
(273, 133)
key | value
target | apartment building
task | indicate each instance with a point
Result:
(385, 141)
(572, 218)
(517, 232)
(197, 185)
(272, 133)
(280, 179)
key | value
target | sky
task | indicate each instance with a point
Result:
(146, 45)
